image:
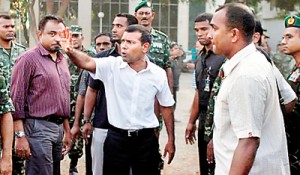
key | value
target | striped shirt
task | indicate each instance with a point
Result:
(40, 86)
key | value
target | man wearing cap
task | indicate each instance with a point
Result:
(76, 152)
(291, 46)
(159, 51)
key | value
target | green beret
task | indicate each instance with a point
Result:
(292, 21)
(76, 29)
(143, 4)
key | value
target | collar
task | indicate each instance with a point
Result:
(45, 52)
(230, 64)
(153, 32)
(150, 66)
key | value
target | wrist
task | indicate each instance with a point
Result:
(20, 134)
(86, 121)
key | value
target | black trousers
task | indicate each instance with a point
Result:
(202, 147)
(88, 158)
(138, 152)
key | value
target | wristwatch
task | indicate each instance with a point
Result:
(86, 121)
(20, 134)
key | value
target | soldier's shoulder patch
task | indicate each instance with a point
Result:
(19, 45)
(161, 33)
(294, 76)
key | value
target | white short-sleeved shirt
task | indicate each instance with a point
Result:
(247, 105)
(130, 95)
(286, 91)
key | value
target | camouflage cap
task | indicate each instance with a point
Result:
(292, 21)
(143, 4)
(75, 29)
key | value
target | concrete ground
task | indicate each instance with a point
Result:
(186, 157)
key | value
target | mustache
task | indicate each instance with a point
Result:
(144, 19)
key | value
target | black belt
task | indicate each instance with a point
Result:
(51, 118)
(133, 133)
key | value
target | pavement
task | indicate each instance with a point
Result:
(186, 160)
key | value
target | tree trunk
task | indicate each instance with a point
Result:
(63, 7)
(32, 25)
(50, 5)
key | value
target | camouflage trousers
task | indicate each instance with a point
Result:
(77, 150)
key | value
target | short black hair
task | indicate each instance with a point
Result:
(130, 18)
(6, 17)
(103, 34)
(203, 17)
(47, 18)
(146, 36)
(238, 16)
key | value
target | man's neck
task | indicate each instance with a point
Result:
(208, 47)
(118, 47)
(297, 57)
(5, 44)
(149, 27)
(138, 65)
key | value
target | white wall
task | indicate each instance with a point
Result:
(183, 25)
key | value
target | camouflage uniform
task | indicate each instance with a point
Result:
(209, 119)
(283, 63)
(159, 50)
(76, 150)
(7, 61)
(292, 122)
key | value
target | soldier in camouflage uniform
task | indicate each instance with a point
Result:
(6, 126)
(291, 46)
(9, 51)
(77, 150)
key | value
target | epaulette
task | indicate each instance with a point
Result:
(19, 45)
(161, 33)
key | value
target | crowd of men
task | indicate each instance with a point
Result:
(120, 93)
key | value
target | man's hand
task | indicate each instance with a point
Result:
(210, 152)
(6, 165)
(66, 41)
(22, 148)
(86, 132)
(75, 131)
(170, 149)
(68, 143)
(190, 136)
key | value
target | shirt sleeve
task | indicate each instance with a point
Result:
(20, 80)
(83, 83)
(285, 89)
(103, 68)
(246, 104)
(164, 95)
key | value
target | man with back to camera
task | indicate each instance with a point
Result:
(207, 68)
(247, 112)
(131, 141)
(40, 90)
(290, 46)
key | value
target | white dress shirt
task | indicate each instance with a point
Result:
(247, 105)
(130, 95)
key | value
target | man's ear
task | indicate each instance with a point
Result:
(82, 37)
(235, 35)
(146, 47)
(153, 14)
(39, 33)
